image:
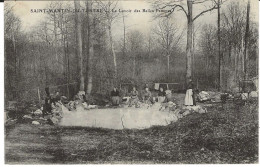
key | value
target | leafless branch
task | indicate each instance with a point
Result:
(205, 11)
(174, 6)
(199, 1)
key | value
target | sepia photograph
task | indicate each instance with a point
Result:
(131, 82)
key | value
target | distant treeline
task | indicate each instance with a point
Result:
(49, 53)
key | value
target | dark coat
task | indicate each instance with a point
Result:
(190, 85)
(161, 93)
(114, 93)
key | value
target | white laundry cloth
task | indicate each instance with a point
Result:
(156, 86)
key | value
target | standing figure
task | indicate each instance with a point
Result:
(161, 95)
(48, 103)
(189, 97)
(115, 97)
(133, 97)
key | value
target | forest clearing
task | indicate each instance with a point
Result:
(129, 82)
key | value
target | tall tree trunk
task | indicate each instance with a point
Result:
(236, 63)
(15, 66)
(55, 37)
(134, 66)
(149, 46)
(79, 45)
(62, 28)
(90, 71)
(189, 41)
(90, 52)
(193, 59)
(207, 68)
(68, 68)
(246, 41)
(112, 49)
(168, 66)
(124, 36)
(219, 51)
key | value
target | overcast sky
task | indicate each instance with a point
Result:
(140, 21)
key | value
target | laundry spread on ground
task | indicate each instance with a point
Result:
(119, 118)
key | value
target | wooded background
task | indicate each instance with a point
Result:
(70, 51)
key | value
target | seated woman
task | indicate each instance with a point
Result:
(133, 97)
(57, 97)
(168, 96)
(147, 96)
(161, 95)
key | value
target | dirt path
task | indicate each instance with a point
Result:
(29, 144)
(44, 144)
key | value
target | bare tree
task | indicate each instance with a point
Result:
(233, 30)
(54, 19)
(134, 47)
(109, 16)
(246, 40)
(168, 38)
(12, 31)
(62, 25)
(89, 48)
(194, 37)
(208, 47)
(188, 11)
(124, 39)
(219, 2)
(79, 45)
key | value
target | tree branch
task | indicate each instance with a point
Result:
(198, 2)
(173, 7)
(205, 11)
(181, 8)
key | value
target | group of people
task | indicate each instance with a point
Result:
(52, 101)
(146, 96)
(135, 96)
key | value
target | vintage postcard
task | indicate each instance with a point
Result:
(131, 82)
